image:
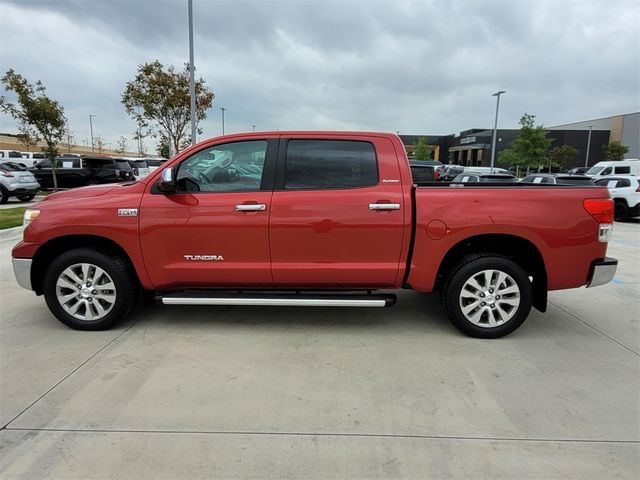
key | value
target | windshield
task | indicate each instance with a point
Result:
(123, 165)
(140, 163)
(11, 167)
(594, 170)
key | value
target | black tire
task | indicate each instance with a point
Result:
(27, 198)
(4, 195)
(621, 212)
(464, 271)
(126, 287)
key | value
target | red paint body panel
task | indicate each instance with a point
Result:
(554, 220)
(331, 237)
(320, 238)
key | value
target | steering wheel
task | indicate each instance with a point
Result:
(203, 176)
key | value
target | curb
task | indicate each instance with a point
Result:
(11, 233)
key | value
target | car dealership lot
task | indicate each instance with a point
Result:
(186, 392)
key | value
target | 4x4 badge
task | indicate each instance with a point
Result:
(127, 212)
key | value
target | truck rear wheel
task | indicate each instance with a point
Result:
(487, 296)
(87, 289)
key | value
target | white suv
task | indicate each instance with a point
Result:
(625, 191)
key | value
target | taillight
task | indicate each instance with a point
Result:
(638, 189)
(6, 174)
(436, 174)
(601, 209)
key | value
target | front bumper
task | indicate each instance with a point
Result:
(22, 271)
(602, 272)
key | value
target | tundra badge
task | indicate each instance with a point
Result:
(208, 258)
(127, 212)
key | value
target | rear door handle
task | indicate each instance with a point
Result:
(384, 206)
(255, 207)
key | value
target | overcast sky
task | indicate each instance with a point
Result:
(415, 67)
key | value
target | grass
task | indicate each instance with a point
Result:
(11, 217)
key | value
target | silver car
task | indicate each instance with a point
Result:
(16, 181)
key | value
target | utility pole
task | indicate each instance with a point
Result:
(586, 159)
(495, 130)
(222, 109)
(192, 84)
(93, 147)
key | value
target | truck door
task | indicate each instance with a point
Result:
(337, 212)
(214, 230)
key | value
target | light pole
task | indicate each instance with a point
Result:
(253, 128)
(495, 129)
(222, 109)
(192, 85)
(586, 159)
(93, 147)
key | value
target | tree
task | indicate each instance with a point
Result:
(531, 146)
(614, 151)
(159, 96)
(421, 150)
(563, 156)
(70, 137)
(34, 108)
(27, 135)
(163, 146)
(98, 143)
(121, 146)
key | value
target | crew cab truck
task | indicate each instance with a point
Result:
(311, 219)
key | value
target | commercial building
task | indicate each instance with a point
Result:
(473, 146)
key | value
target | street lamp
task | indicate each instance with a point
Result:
(586, 160)
(253, 128)
(222, 109)
(192, 85)
(93, 147)
(495, 129)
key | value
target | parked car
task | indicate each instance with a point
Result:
(12, 156)
(557, 179)
(330, 218)
(139, 167)
(80, 171)
(630, 166)
(154, 163)
(424, 172)
(625, 191)
(484, 178)
(31, 158)
(450, 172)
(577, 171)
(16, 181)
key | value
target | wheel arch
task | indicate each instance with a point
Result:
(58, 245)
(522, 251)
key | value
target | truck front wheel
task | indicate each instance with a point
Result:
(487, 296)
(88, 289)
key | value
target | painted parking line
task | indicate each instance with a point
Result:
(626, 243)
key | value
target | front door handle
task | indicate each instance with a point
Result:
(384, 206)
(252, 207)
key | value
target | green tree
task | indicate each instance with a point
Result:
(421, 150)
(160, 97)
(163, 146)
(98, 144)
(563, 155)
(531, 146)
(614, 151)
(34, 108)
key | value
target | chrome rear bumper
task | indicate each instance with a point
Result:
(22, 271)
(603, 272)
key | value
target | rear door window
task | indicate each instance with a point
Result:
(622, 170)
(330, 164)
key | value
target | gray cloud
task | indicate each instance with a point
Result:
(416, 67)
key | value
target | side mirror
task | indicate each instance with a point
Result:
(167, 183)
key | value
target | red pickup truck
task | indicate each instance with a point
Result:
(311, 219)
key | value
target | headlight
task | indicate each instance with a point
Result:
(30, 214)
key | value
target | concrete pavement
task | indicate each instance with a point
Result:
(237, 392)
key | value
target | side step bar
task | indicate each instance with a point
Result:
(278, 300)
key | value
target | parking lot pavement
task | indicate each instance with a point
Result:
(226, 392)
(13, 202)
